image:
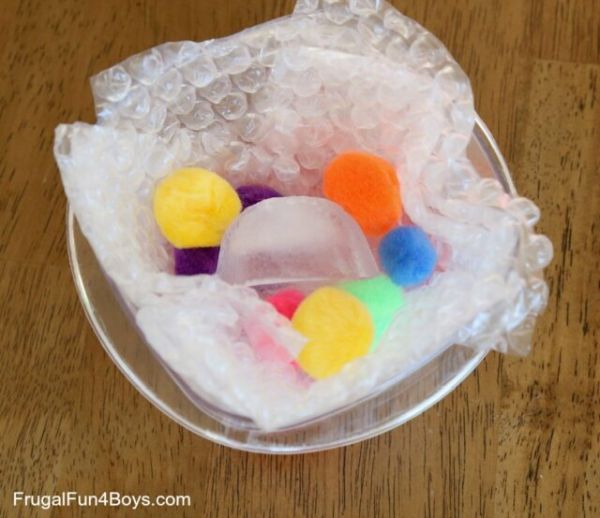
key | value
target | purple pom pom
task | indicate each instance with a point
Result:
(252, 194)
(192, 261)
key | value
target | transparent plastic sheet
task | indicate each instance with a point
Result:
(273, 104)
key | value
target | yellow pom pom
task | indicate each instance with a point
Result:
(193, 207)
(338, 327)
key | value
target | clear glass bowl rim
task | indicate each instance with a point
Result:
(485, 138)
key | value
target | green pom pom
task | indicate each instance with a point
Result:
(382, 298)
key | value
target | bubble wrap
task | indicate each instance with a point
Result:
(273, 104)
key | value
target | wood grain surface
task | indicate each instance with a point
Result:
(520, 437)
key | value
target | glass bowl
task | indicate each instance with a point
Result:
(392, 405)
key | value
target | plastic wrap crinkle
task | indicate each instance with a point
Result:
(272, 105)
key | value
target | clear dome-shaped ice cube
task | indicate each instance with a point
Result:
(294, 239)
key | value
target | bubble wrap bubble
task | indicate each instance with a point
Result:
(273, 104)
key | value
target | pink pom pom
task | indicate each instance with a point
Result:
(267, 349)
(264, 345)
(286, 301)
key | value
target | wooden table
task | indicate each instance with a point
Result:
(520, 437)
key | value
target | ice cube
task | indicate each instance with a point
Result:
(294, 239)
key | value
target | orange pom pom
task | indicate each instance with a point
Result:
(367, 187)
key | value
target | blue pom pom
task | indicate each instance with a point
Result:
(407, 256)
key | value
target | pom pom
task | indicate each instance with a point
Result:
(407, 256)
(252, 194)
(193, 207)
(264, 345)
(286, 301)
(194, 261)
(338, 327)
(366, 186)
(382, 298)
